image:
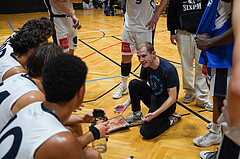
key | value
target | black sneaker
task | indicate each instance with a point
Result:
(174, 118)
(208, 154)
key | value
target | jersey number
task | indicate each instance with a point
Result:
(3, 94)
(2, 52)
(138, 1)
(17, 133)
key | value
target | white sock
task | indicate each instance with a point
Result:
(216, 128)
(124, 81)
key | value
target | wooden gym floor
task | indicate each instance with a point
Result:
(99, 46)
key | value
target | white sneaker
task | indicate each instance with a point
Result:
(209, 125)
(121, 91)
(208, 154)
(208, 106)
(134, 118)
(208, 139)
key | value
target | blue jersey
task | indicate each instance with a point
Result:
(215, 21)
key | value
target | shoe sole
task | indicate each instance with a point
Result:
(135, 123)
(206, 145)
(209, 109)
(187, 102)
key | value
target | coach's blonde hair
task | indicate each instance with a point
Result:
(146, 44)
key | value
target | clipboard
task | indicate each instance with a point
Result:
(117, 123)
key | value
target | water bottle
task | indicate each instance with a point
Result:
(98, 117)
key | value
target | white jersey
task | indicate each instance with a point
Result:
(53, 9)
(138, 14)
(28, 130)
(224, 11)
(7, 60)
(11, 90)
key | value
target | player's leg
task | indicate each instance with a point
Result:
(128, 49)
(218, 89)
(61, 27)
(130, 40)
(72, 37)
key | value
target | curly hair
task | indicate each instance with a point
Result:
(46, 25)
(62, 77)
(40, 56)
(25, 39)
(43, 24)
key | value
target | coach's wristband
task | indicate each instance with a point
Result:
(95, 132)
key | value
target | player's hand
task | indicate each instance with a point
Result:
(76, 22)
(148, 117)
(202, 41)
(103, 129)
(87, 118)
(153, 22)
(120, 108)
(173, 39)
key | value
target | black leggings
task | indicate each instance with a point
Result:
(141, 91)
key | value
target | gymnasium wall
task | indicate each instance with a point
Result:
(25, 6)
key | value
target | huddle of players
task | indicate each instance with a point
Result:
(38, 78)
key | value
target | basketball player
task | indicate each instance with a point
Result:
(229, 119)
(22, 89)
(141, 18)
(37, 129)
(218, 58)
(13, 57)
(63, 16)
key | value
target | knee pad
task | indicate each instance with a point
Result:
(125, 68)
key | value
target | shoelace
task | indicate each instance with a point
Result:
(204, 136)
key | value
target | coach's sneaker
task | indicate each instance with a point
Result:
(188, 98)
(208, 139)
(208, 154)
(121, 91)
(208, 106)
(174, 118)
(134, 118)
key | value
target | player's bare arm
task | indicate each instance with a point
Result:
(64, 143)
(153, 22)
